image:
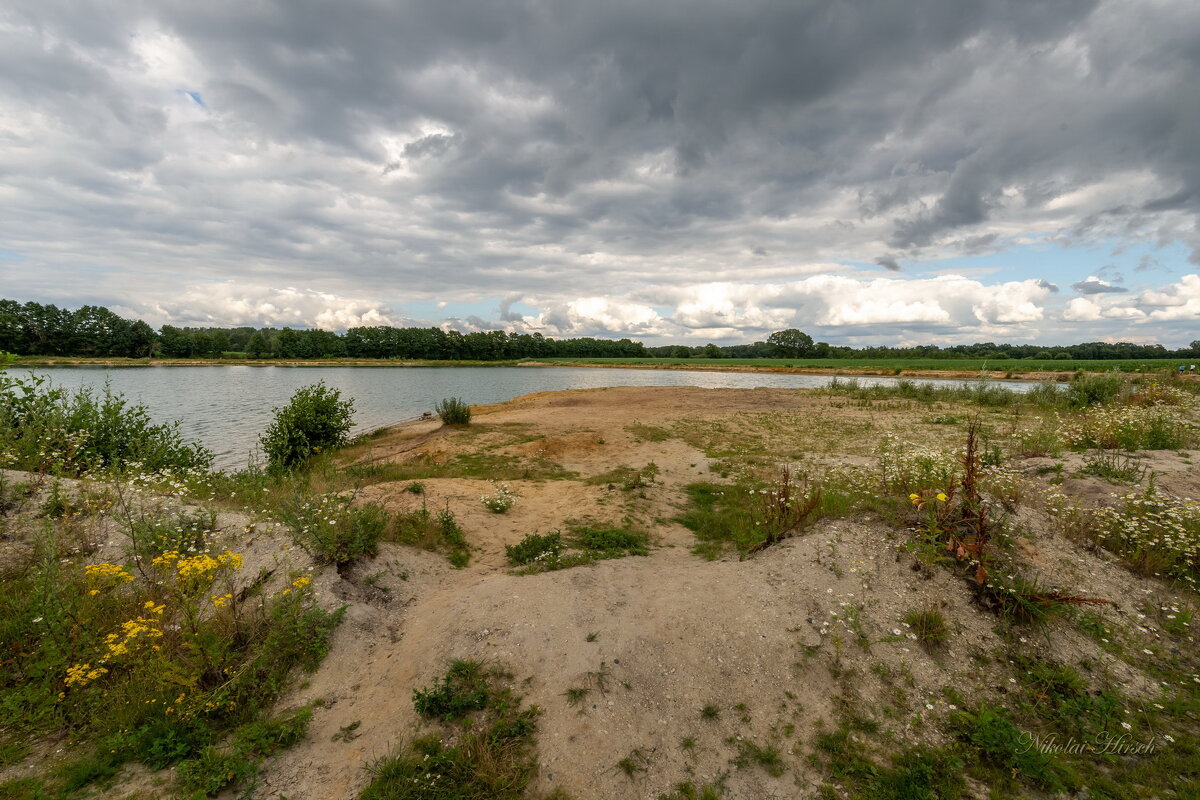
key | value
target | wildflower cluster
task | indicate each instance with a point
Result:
(1157, 533)
(904, 466)
(198, 567)
(298, 585)
(500, 500)
(1132, 427)
(111, 574)
(334, 529)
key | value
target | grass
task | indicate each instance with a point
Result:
(929, 625)
(482, 745)
(766, 756)
(748, 516)
(583, 542)
(1113, 466)
(638, 761)
(438, 532)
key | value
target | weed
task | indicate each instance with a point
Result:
(1113, 466)
(920, 773)
(416, 487)
(51, 430)
(436, 532)
(765, 756)
(500, 500)
(990, 732)
(591, 637)
(488, 756)
(648, 433)
(637, 761)
(583, 543)
(453, 411)
(690, 791)
(627, 478)
(347, 733)
(576, 695)
(332, 529)
(464, 688)
(928, 624)
(710, 712)
(535, 548)
(747, 517)
(213, 770)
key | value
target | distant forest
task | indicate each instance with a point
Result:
(45, 330)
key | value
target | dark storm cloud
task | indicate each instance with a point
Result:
(432, 150)
(1096, 286)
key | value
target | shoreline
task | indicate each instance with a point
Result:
(1057, 376)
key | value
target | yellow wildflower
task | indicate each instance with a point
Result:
(941, 496)
(111, 571)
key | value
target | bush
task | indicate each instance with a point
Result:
(453, 411)
(315, 419)
(48, 429)
(1095, 389)
(534, 548)
(333, 530)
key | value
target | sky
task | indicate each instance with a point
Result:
(868, 171)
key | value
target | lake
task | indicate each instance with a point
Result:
(226, 408)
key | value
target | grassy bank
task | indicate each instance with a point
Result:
(1013, 368)
(887, 366)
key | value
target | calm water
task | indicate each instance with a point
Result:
(226, 408)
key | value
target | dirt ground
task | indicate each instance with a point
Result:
(765, 640)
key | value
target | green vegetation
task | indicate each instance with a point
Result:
(583, 543)
(51, 430)
(748, 516)
(154, 659)
(885, 365)
(333, 529)
(315, 419)
(482, 745)
(928, 624)
(453, 411)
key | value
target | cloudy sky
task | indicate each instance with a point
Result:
(713, 170)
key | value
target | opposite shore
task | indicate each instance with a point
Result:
(1014, 373)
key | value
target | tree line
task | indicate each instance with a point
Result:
(46, 330)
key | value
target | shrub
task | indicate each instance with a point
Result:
(453, 411)
(1095, 389)
(534, 548)
(334, 530)
(48, 429)
(315, 419)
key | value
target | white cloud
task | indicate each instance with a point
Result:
(1178, 301)
(1082, 310)
(233, 304)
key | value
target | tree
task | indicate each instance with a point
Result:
(256, 346)
(790, 343)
